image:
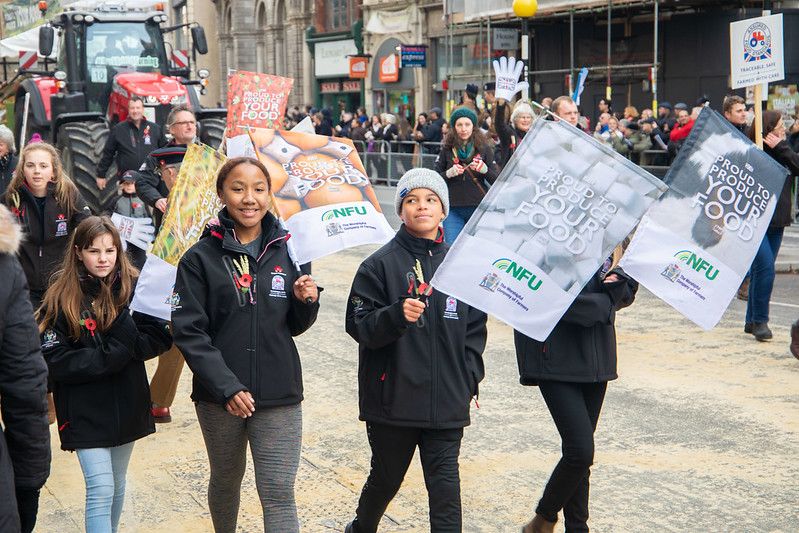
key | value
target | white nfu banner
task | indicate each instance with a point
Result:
(756, 51)
(548, 223)
(695, 245)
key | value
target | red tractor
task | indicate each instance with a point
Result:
(105, 56)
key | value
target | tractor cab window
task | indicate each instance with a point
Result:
(123, 47)
(113, 48)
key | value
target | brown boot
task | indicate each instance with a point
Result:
(795, 339)
(539, 525)
(743, 290)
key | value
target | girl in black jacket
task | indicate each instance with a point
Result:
(48, 206)
(466, 162)
(238, 303)
(420, 359)
(95, 351)
(572, 368)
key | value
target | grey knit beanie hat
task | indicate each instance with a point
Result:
(421, 178)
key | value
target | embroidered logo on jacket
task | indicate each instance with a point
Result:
(49, 339)
(278, 287)
(61, 226)
(451, 309)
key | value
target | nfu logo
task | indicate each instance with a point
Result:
(518, 272)
(697, 263)
(342, 212)
(757, 42)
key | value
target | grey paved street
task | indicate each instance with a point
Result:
(700, 433)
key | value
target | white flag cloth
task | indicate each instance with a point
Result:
(555, 213)
(695, 245)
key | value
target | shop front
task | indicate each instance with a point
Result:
(334, 88)
(393, 87)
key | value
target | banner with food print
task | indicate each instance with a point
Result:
(256, 100)
(191, 203)
(549, 222)
(695, 245)
(321, 192)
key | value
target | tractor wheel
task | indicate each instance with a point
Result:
(212, 130)
(81, 145)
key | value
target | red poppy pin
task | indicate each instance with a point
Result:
(245, 280)
(90, 324)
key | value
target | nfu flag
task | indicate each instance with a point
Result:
(321, 192)
(695, 245)
(192, 202)
(553, 216)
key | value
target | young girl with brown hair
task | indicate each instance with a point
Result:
(47, 205)
(95, 351)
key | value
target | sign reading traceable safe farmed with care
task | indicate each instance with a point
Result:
(756, 52)
(546, 226)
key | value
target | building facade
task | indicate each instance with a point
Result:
(266, 36)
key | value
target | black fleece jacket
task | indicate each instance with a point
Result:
(100, 388)
(415, 375)
(235, 340)
(582, 347)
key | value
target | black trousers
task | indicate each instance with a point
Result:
(575, 409)
(392, 450)
(28, 508)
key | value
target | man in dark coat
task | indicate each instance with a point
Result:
(129, 142)
(25, 437)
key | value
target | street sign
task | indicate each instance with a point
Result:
(756, 51)
(389, 69)
(505, 39)
(358, 66)
(28, 59)
(414, 56)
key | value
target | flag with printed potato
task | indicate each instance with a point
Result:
(321, 192)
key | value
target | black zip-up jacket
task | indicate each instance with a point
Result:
(235, 340)
(468, 189)
(582, 347)
(130, 145)
(100, 388)
(46, 235)
(416, 375)
(25, 436)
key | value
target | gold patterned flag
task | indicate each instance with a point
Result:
(192, 202)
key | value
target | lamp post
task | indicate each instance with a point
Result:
(526, 9)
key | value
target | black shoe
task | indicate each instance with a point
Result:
(761, 332)
(795, 339)
(349, 528)
(748, 327)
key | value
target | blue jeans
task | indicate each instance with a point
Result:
(762, 275)
(104, 471)
(456, 219)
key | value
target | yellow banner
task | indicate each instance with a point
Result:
(192, 202)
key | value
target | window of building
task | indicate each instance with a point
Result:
(338, 15)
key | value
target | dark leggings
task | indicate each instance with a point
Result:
(575, 409)
(392, 450)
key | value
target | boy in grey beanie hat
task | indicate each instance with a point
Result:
(421, 178)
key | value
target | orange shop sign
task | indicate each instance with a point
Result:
(358, 67)
(389, 69)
